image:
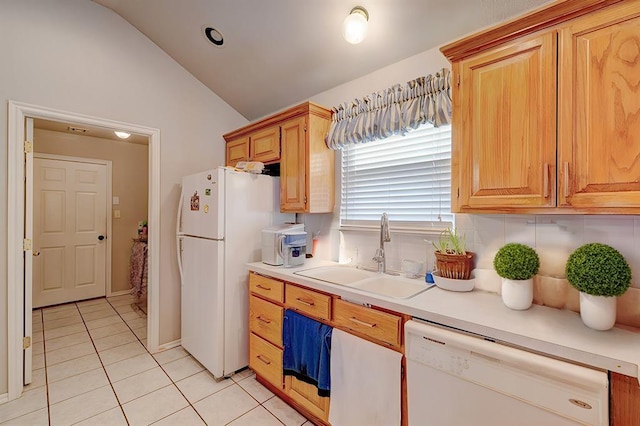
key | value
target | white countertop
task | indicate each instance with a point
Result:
(554, 332)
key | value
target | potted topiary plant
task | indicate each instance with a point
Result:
(452, 259)
(517, 264)
(600, 273)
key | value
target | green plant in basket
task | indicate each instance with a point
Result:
(599, 270)
(516, 261)
(450, 242)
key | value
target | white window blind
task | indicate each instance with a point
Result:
(408, 177)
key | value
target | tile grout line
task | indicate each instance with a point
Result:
(103, 369)
(163, 370)
(44, 356)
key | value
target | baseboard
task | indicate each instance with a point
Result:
(169, 345)
(118, 293)
(4, 398)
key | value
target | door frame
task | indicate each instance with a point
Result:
(109, 205)
(18, 112)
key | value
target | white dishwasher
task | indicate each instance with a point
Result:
(459, 379)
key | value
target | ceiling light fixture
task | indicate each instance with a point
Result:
(354, 27)
(122, 135)
(213, 35)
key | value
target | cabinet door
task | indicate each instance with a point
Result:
(625, 397)
(293, 166)
(265, 145)
(506, 114)
(237, 150)
(599, 126)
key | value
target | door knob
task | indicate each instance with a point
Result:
(101, 237)
(36, 253)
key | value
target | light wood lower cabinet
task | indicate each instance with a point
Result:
(307, 396)
(625, 400)
(267, 302)
(266, 360)
(265, 320)
(266, 287)
(374, 325)
(308, 302)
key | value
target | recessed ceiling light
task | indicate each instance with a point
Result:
(122, 135)
(213, 35)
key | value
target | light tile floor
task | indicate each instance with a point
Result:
(91, 367)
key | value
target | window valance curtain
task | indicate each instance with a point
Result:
(393, 111)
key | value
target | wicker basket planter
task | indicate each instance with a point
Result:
(455, 266)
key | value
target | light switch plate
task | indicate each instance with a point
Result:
(116, 200)
(116, 214)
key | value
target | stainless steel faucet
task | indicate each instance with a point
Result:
(385, 237)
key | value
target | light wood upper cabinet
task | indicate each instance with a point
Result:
(599, 133)
(265, 145)
(546, 112)
(293, 182)
(506, 123)
(237, 150)
(295, 139)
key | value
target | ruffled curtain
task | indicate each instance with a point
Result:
(393, 111)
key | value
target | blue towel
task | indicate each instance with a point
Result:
(307, 350)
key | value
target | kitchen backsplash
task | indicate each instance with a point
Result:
(554, 238)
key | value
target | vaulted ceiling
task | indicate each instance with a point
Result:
(280, 52)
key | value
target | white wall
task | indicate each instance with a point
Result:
(77, 56)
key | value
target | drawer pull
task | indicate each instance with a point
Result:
(266, 321)
(305, 302)
(262, 287)
(364, 323)
(266, 361)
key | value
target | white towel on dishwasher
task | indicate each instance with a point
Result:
(365, 382)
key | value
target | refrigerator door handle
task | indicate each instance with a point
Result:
(179, 213)
(179, 255)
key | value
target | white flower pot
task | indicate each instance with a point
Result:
(517, 294)
(598, 312)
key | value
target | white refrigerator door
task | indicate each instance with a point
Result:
(252, 204)
(203, 301)
(202, 205)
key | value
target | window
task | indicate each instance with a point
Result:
(408, 177)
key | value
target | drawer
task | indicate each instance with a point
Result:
(378, 325)
(265, 320)
(266, 287)
(310, 302)
(266, 360)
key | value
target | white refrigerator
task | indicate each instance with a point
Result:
(220, 218)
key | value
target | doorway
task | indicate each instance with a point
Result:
(20, 232)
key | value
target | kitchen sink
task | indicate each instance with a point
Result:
(382, 284)
(343, 275)
(396, 287)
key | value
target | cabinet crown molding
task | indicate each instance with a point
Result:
(545, 17)
(305, 108)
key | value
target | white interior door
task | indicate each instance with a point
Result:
(69, 226)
